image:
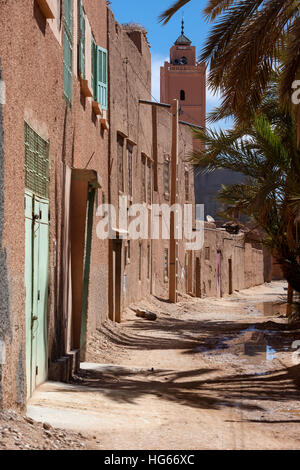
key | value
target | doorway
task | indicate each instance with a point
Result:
(198, 277)
(117, 270)
(36, 284)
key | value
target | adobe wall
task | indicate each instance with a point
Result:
(32, 67)
(130, 81)
(243, 257)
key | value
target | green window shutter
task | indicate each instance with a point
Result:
(69, 15)
(81, 39)
(102, 59)
(68, 50)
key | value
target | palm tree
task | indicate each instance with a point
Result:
(266, 153)
(248, 40)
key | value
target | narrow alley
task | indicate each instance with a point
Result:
(207, 374)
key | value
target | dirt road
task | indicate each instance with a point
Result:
(208, 374)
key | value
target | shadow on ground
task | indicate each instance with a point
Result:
(195, 388)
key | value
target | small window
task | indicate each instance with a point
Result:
(99, 74)
(207, 253)
(182, 95)
(37, 163)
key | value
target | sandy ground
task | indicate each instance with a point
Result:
(207, 374)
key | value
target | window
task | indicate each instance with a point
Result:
(166, 263)
(207, 253)
(143, 178)
(187, 184)
(68, 51)
(102, 77)
(149, 185)
(37, 175)
(182, 95)
(99, 74)
(129, 167)
(81, 40)
(166, 177)
(120, 144)
(140, 261)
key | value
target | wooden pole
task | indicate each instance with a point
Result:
(173, 200)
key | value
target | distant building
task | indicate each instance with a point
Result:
(184, 78)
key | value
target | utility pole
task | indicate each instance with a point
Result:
(173, 200)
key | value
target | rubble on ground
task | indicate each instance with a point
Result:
(18, 432)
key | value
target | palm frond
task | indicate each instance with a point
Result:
(167, 14)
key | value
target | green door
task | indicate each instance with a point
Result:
(36, 282)
(28, 284)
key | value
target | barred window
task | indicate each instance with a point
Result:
(37, 171)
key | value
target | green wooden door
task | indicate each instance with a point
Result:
(36, 282)
(28, 284)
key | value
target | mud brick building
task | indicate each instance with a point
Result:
(79, 129)
(140, 169)
(228, 262)
(53, 170)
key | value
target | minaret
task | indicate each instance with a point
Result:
(185, 79)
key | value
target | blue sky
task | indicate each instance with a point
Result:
(161, 37)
